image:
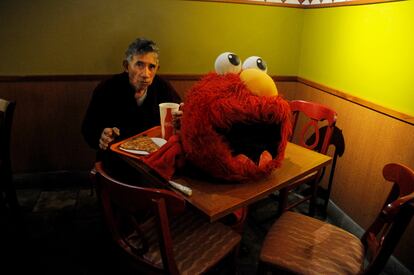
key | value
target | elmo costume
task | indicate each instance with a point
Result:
(234, 126)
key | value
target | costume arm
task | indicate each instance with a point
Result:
(168, 158)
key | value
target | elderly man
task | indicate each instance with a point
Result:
(127, 103)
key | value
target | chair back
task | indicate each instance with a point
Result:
(6, 119)
(385, 232)
(127, 208)
(6, 181)
(312, 118)
(315, 114)
(337, 141)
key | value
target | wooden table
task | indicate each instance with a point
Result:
(218, 198)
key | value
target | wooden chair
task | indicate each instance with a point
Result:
(8, 198)
(315, 116)
(337, 143)
(156, 230)
(299, 244)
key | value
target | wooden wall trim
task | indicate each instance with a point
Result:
(95, 77)
(365, 103)
(195, 77)
(46, 78)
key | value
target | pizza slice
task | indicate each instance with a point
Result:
(141, 143)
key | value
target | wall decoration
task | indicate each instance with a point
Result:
(303, 3)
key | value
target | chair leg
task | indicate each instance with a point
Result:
(2, 204)
(283, 201)
(10, 197)
(9, 206)
(328, 191)
(261, 268)
(233, 258)
(313, 198)
(241, 216)
(325, 205)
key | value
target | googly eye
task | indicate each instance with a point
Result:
(255, 62)
(227, 62)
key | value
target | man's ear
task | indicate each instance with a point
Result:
(125, 65)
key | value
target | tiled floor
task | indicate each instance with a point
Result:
(62, 231)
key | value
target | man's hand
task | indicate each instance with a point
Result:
(108, 135)
(176, 118)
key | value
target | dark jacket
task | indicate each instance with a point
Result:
(113, 105)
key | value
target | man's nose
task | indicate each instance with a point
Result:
(145, 72)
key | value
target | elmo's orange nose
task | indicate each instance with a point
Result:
(258, 82)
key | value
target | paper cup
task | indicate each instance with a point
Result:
(166, 109)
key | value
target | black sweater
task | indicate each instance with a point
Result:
(113, 105)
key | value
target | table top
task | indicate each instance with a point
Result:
(218, 198)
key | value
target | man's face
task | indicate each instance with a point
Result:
(141, 70)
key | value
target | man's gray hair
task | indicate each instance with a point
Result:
(141, 46)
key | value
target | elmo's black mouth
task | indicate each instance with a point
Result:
(251, 139)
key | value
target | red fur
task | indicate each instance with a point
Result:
(218, 101)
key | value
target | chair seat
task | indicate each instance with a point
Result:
(302, 245)
(198, 244)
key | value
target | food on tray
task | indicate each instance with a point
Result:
(141, 143)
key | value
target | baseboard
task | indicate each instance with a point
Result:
(341, 219)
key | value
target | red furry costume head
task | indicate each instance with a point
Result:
(228, 130)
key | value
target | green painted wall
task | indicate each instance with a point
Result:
(90, 36)
(366, 51)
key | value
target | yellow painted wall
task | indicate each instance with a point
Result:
(366, 51)
(90, 36)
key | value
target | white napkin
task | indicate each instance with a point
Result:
(184, 189)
